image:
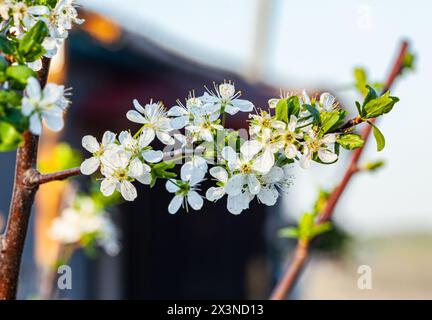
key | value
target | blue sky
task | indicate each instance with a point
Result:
(316, 44)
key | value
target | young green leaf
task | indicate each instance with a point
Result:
(293, 106)
(19, 75)
(30, 46)
(379, 106)
(314, 112)
(360, 77)
(282, 110)
(10, 138)
(332, 120)
(379, 137)
(350, 141)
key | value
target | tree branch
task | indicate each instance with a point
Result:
(20, 208)
(39, 178)
(293, 271)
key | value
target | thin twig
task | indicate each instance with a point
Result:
(55, 176)
(293, 271)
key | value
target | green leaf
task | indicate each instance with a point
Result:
(19, 75)
(3, 63)
(10, 138)
(289, 233)
(332, 120)
(379, 106)
(159, 170)
(30, 46)
(350, 141)
(374, 165)
(359, 108)
(7, 46)
(320, 229)
(360, 77)
(293, 106)
(282, 110)
(379, 137)
(370, 95)
(314, 112)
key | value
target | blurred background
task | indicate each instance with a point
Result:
(143, 49)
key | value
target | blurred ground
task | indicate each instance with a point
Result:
(401, 267)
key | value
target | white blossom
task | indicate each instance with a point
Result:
(313, 145)
(119, 170)
(185, 194)
(184, 115)
(225, 99)
(203, 129)
(90, 165)
(47, 105)
(85, 219)
(153, 116)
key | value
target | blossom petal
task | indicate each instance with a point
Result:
(275, 175)
(177, 111)
(291, 151)
(171, 187)
(145, 178)
(229, 155)
(327, 156)
(234, 186)
(53, 121)
(243, 105)
(165, 138)
(138, 106)
(292, 123)
(38, 10)
(215, 193)
(108, 138)
(327, 101)
(146, 137)
(52, 93)
(253, 184)
(152, 156)
(175, 204)
(128, 191)
(236, 204)
(33, 89)
(264, 162)
(328, 138)
(135, 168)
(305, 158)
(108, 186)
(35, 124)
(195, 200)
(135, 116)
(268, 196)
(179, 122)
(219, 173)
(250, 148)
(90, 144)
(90, 165)
(27, 106)
(231, 109)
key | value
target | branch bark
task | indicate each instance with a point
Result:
(20, 208)
(285, 285)
(39, 178)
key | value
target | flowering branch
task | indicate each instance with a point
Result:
(31, 34)
(19, 213)
(287, 281)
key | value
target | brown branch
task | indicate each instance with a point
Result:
(39, 178)
(293, 271)
(20, 208)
